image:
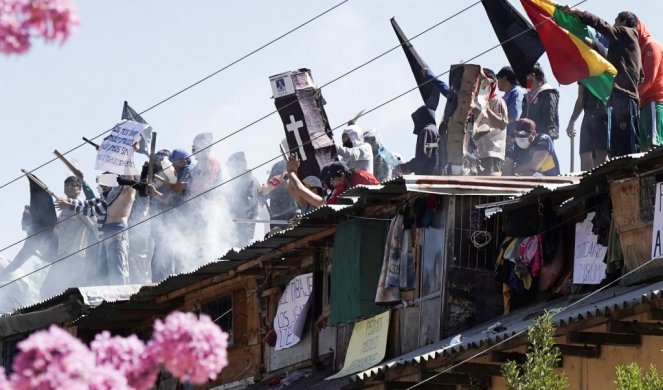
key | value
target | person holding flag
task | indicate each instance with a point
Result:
(651, 90)
(624, 54)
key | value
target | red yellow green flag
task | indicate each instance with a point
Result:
(565, 39)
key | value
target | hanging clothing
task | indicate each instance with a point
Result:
(388, 291)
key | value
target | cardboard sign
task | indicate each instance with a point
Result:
(367, 345)
(116, 152)
(588, 265)
(656, 242)
(291, 313)
(301, 108)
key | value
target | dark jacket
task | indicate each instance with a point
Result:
(624, 53)
(425, 158)
(543, 110)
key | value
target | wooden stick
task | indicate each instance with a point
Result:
(283, 153)
(150, 167)
(69, 165)
(38, 182)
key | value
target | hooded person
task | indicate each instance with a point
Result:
(356, 153)
(425, 154)
(490, 128)
(207, 172)
(651, 89)
(384, 161)
(243, 197)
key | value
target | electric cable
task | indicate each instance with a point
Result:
(260, 118)
(193, 84)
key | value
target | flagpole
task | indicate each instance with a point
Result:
(572, 139)
(38, 182)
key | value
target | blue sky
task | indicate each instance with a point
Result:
(141, 52)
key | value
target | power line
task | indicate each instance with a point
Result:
(272, 159)
(260, 119)
(194, 84)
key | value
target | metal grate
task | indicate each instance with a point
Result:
(469, 220)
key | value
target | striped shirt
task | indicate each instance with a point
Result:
(96, 207)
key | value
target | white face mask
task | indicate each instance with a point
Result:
(523, 143)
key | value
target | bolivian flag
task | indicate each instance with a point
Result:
(571, 58)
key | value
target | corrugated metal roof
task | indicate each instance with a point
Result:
(597, 304)
(461, 185)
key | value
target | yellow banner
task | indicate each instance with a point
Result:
(367, 345)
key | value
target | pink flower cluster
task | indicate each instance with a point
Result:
(193, 349)
(128, 356)
(20, 20)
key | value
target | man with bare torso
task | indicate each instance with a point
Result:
(112, 210)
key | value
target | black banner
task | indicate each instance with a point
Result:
(524, 47)
(428, 91)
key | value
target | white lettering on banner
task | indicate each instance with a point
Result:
(294, 127)
(367, 345)
(291, 314)
(656, 244)
(588, 265)
(116, 151)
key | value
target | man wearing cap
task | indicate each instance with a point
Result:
(532, 154)
(489, 128)
(514, 94)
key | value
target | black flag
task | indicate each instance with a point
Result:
(42, 208)
(130, 114)
(307, 131)
(524, 47)
(429, 92)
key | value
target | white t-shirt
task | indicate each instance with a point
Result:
(490, 142)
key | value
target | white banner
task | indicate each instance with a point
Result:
(116, 152)
(291, 313)
(588, 265)
(656, 244)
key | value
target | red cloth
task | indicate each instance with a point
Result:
(358, 177)
(651, 90)
(531, 253)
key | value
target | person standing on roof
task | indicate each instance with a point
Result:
(514, 95)
(425, 154)
(243, 198)
(651, 89)
(489, 128)
(356, 153)
(207, 172)
(624, 54)
(541, 103)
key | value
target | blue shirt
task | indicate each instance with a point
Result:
(439, 84)
(514, 105)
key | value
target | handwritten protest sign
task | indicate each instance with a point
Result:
(291, 313)
(367, 345)
(588, 265)
(657, 240)
(116, 152)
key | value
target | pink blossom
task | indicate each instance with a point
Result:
(52, 359)
(128, 356)
(52, 20)
(4, 383)
(192, 349)
(107, 378)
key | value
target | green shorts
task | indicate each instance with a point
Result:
(651, 125)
